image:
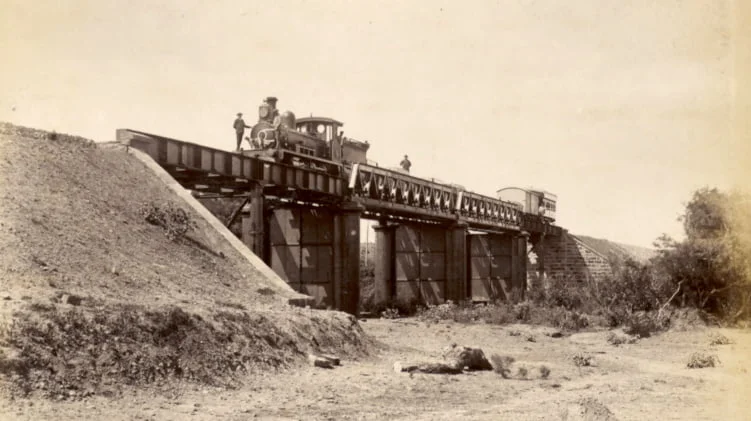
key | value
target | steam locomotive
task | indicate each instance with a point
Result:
(317, 143)
(313, 142)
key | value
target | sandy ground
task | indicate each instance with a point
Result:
(646, 380)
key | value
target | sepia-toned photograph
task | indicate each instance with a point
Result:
(375, 210)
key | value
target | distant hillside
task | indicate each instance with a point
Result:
(617, 251)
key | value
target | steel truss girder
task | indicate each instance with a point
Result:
(392, 189)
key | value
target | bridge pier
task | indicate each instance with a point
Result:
(457, 288)
(315, 249)
(347, 257)
(253, 224)
(383, 275)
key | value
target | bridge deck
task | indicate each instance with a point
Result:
(383, 193)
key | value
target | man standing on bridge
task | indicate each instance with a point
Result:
(405, 164)
(240, 127)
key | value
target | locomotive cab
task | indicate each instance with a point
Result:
(327, 135)
(314, 142)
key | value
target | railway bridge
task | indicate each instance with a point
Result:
(434, 241)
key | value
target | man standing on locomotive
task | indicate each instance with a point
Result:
(240, 127)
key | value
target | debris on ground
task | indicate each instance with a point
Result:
(427, 368)
(323, 361)
(465, 358)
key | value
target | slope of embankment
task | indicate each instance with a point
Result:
(617, 251)
(95, 294)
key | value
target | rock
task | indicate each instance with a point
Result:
(461, 357)
(555, 335)
(334, 359)
(317, 361)
(71, 299)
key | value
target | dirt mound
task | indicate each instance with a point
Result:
(72, 220)
(95, 292)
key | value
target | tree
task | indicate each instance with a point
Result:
(711, 267)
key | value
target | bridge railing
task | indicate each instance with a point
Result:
(201, 165)
(482, 209)
(395, 190)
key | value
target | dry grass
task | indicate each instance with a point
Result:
(616, 339)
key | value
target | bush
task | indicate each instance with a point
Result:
(544, 372)
(710, 269)
(502, 364)
(644, 325)
(702, 360)
(175, 221)
(390, 313)
(582, 360)
(719, 339)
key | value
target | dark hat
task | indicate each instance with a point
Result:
(239, 114)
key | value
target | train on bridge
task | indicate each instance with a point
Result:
(317, 143)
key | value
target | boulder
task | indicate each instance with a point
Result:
(321, 362)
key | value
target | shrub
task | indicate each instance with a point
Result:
(502, 364)
(544, 372)
(644, 324)
(719, 339)
(702, 360)
(582, 360)
(175, 221)
(390, 313)
(522, 372)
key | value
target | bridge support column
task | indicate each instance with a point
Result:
(253, 224)
(383, 276)
(456, 263)
(347, 258)
(541, 259)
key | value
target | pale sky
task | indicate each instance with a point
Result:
(620, 108)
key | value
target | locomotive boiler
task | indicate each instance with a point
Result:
(314, 142)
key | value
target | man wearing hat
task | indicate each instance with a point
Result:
(240, 127)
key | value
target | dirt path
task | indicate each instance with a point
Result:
(646, 380)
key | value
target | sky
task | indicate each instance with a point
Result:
(622, 109)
